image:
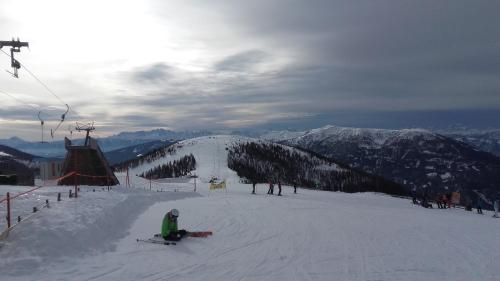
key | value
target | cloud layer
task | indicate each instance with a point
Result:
(240, 64)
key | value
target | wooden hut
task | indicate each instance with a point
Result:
(86, 165)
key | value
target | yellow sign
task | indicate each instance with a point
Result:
(220, 185)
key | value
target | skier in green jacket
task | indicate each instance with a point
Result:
(169, 227)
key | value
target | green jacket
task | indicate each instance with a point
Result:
(168, 226)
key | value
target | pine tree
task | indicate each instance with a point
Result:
(269, 162)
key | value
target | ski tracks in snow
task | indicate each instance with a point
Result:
(308, 236)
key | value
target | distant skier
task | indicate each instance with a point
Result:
(253, 189)
(271, 188)
(414, 197)
(448, 197)
(468, 205)
(279, 188)
(496, 206)
(440, 203)
(295, 188)
(169, 227)
(425, 201)
(479, 206)
(446, 200)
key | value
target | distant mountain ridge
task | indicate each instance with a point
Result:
(488, 141)
(6, 151)
(158, 134)
(132, 152)
(419, 159)
(374, 137)
(21, 164)
(107, 144)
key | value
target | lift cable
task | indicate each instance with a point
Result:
(37, 79)
(63, 116)
(19, 100)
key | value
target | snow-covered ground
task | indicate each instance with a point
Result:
(312, 235)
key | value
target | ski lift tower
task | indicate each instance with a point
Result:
(15, 48)
(87, 128)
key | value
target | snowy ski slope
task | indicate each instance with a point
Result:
(210, 154)
(312, 235)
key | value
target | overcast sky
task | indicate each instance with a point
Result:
(139, 65)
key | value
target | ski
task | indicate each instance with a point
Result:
(202, 234)
(197, 234)
(153, 241)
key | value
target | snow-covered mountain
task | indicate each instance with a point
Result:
(159, 134)
(238, 158)
(488, 140)
(13, 161)
(370, 138)
(6, 151)
(278, 136)
(132, 152)
(209, 151)
(46, 149)
(416, 158)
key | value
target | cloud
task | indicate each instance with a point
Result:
(241, 62)
(152, 74)
(432, 49)
(17, 113)
(30, 113)
(252, 63)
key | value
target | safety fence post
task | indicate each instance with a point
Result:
(127, 180)
(76, 175)
(8, 198)
(8, 210)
